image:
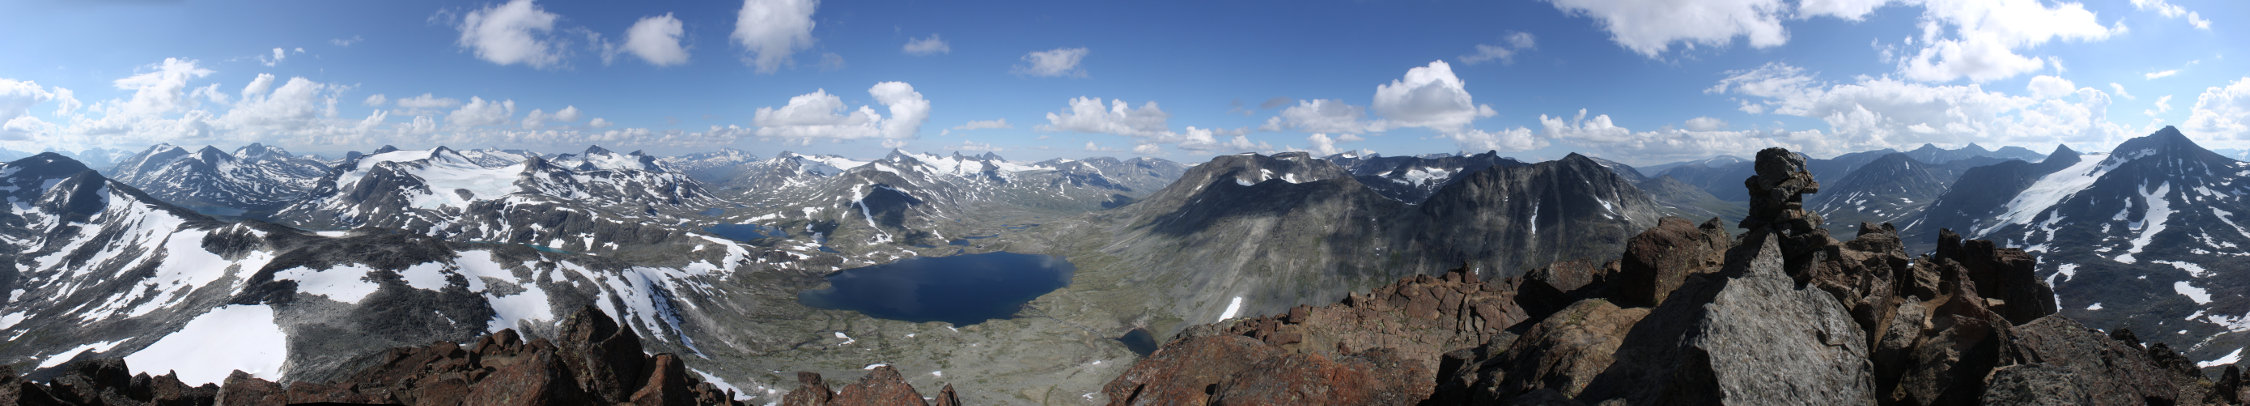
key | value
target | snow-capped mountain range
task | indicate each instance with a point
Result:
(97, 268)
(252, 178)
(2147, 236)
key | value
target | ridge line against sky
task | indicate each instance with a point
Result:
(1637, 81)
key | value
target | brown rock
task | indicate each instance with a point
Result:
(2005, 274)
(667, 384)
(244, 390)
(1186, 371)
(1562, 353)
(882, 386)
(946, 397)
(811, 391)
(14, 390)
(1375, 377)
(607, 358)
(2113, 372)
(536, 377)
(1548, 289)
(1658, 260)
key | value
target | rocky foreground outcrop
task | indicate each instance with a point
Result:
(592, 361)
(1782, 314)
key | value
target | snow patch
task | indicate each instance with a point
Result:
(217, 343)
(1232, 308)
(2223, 360)
(2051, 190)
(343, 283)
(66, 355)
(425, 276)
(2152, 222)
(2194, 293)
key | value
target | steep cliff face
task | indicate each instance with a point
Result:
(1261, 234)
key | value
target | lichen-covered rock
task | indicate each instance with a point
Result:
(2035, 384)
(1180, 372)
(1375, 377)
(2112, 371)
(1561, 354)
(1745, 335)
(608, 358)
(1658, 260)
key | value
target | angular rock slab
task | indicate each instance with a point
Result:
(1746, 335)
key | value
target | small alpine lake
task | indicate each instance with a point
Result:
(962, 289)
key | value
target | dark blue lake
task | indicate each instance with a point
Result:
(962, 289)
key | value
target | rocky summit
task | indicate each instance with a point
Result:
(592, 360)
(1781, 314)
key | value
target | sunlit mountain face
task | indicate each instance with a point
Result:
(806, 202)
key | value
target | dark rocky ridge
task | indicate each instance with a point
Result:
(592, 360)
(1789, 315)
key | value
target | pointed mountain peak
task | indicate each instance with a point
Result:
(592, 150)
(2062, 151)
(210, 150)
(1973, 147)
(2164, 141)
(1928, 147)
(257, 151)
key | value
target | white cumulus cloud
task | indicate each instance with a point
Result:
(2221, 112)
(773, 30)
(512, 33)
(1882, 112)
(1430, 97)
(1650, 27)
(656, 40)
(819, 115)
(1322, 116)
(480, 112)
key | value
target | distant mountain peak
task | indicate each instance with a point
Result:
(49, 163)
(2165, 141)
(597, 150)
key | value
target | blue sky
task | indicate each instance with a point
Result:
(1640, 81)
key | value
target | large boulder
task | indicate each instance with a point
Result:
(1561, 354)
(1657, 261)
(881, 386)
(608, 358)
(1745, 335)
(1546, 290)
(1181, 371)
(2111, 371)
(2004, 275)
